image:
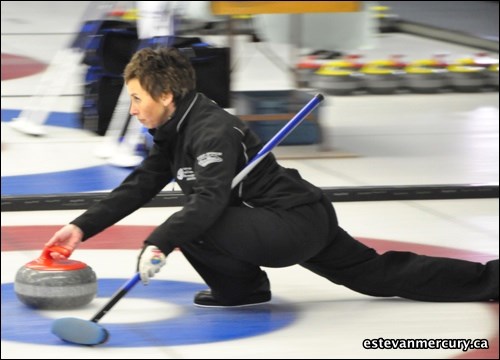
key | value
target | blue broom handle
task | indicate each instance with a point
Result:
(122, 291)
(279, 137)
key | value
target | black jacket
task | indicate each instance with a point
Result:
(203, 147)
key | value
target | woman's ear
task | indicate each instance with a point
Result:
(167, 98)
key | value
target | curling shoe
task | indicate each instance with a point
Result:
(205, 298)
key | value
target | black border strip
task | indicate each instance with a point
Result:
(335, 194)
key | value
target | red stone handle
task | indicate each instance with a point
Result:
(58, 249)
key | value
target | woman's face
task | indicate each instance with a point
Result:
(150, 113)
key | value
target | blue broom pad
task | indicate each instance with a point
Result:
(78, 331)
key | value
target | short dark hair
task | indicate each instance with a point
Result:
(162, 70)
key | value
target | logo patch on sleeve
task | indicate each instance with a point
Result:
(209, 158)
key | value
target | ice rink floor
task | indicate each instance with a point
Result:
(372, 140)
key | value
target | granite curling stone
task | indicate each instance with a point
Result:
(54, 284)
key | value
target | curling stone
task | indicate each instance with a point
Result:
(305, 70)
(383, 76)
(467, 78)
(53, 284)
(492, 80)
(337, 77)
(426, 76)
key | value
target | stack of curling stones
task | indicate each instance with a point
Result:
(53, 284)
(347, 76)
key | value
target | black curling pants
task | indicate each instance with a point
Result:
(229, 257)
